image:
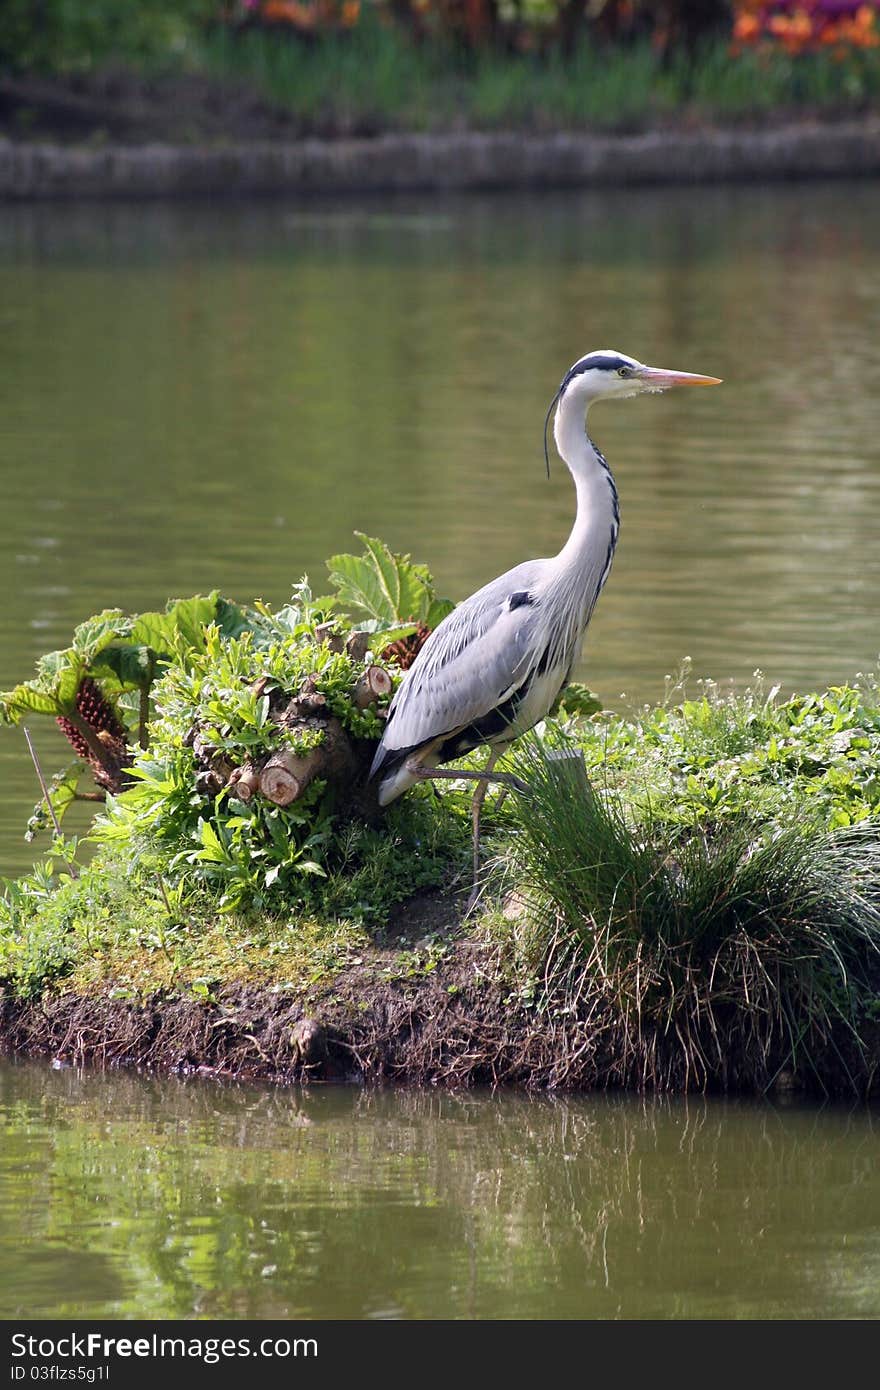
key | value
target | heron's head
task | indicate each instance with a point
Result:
(610, 374)
(607, 373)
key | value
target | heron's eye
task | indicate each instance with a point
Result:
(624, 371)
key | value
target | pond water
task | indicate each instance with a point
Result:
(219, 396)
(127, 1197)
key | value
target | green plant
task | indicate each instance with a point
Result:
(395, 594)
(717, 954)
(712, 756)
(69, 35)
(98, 689)
(232, 697)
(222, 679)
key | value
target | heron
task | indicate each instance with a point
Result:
(494, 667)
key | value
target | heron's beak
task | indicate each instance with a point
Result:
(658, 379)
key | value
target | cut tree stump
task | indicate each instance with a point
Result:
(297, 718)
(372, 686)
(244, 782)
(357, 645)
(286, 776)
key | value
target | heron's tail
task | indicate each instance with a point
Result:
(395, 783)
(394, 768)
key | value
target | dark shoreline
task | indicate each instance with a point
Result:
(453, 1028)
(451, 162)
(456, 1028)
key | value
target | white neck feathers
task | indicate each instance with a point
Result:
(597, 519)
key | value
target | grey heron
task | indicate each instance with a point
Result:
(493, 668)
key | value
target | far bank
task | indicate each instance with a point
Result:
(443, 162)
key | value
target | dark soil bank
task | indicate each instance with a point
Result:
(469, 160)
(457, 1026)
(453, 1028)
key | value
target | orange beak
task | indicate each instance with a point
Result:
(659, 378)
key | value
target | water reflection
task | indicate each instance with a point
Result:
(194, 397)
(175, 1198)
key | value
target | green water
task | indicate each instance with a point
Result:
(127, 1197)
(199, 396)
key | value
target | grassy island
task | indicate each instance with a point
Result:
(690, 898)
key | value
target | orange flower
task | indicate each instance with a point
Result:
(805, 28)
(289, 12)
(746, 27)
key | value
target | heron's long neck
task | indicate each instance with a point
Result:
(586, 556)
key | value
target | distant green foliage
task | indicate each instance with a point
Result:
(60, 35)
(374, 78)
(379, 75)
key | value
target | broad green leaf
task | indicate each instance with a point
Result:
(439, 609)
(95, 633)
(230, 618)
(389, 588)
(180, 627)
(579, 701)
(406, 586)
(130, 667)
(126, 653)
(59, 674)
(212, 847)
(52, 691)
(25, 699)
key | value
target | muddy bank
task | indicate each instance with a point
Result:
(454, 1027)
(471, 160)
(460, 1026)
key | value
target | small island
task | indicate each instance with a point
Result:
(686, 899)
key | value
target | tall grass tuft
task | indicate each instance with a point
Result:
(717, 955)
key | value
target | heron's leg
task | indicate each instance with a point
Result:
(483, 779)
(476, 808)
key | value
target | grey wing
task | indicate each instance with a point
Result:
(475, 660)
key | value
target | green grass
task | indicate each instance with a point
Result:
(717, 950)
(133, 924)
(373, 78)
(701, 754)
